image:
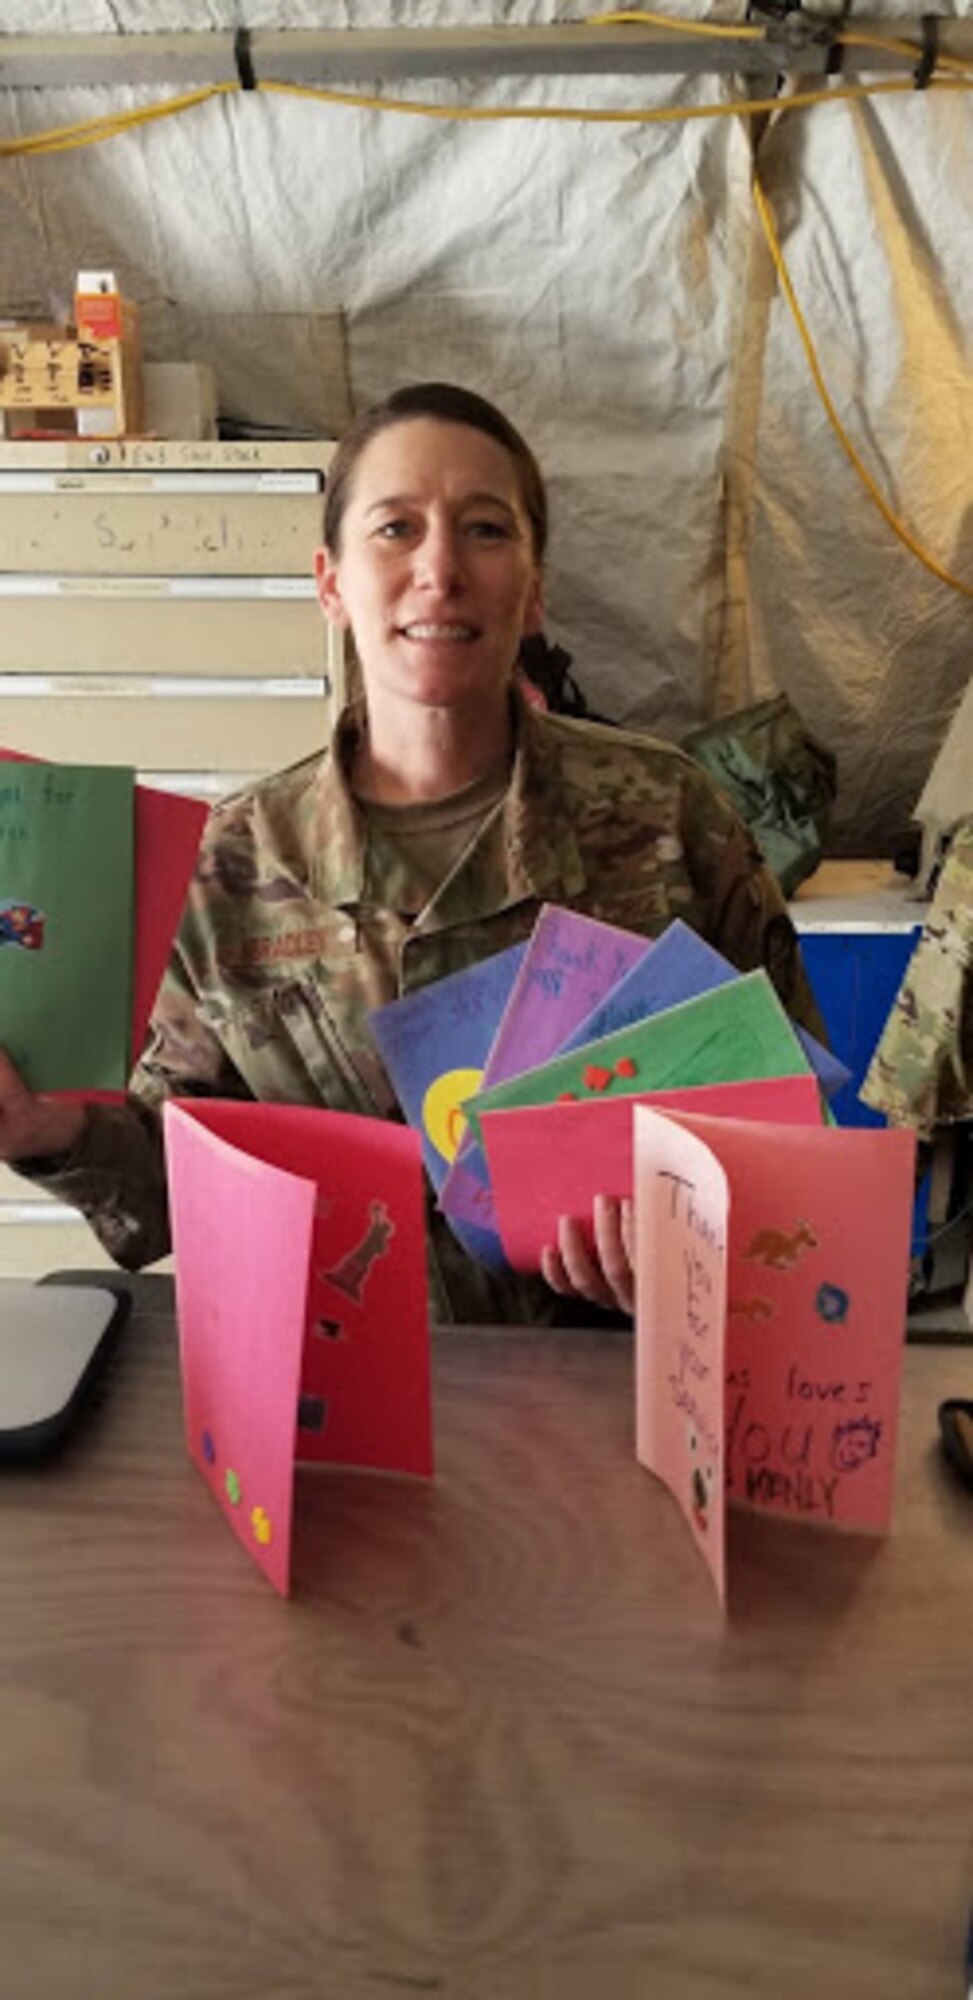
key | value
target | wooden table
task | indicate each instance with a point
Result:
(500, 1742)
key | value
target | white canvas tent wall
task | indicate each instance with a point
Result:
(609, 285)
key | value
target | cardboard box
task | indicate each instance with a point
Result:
(179, 399)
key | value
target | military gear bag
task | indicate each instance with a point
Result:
(781, 780)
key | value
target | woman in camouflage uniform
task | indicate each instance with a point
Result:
(425, 836)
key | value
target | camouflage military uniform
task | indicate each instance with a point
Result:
(284, 947)
(922, 1069)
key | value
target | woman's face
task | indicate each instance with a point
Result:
(436, 576)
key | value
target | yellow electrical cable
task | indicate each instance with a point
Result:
(749, 107)
(639, 17)
(91, 131)
(898, 527)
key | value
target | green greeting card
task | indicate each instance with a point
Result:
(736, 1034)
(66, 923)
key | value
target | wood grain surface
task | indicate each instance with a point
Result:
(500, 1742)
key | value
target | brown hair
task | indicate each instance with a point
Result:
(447, 404)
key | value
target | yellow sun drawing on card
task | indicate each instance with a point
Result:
(442, 1118)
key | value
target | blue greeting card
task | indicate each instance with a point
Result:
(434, 1044)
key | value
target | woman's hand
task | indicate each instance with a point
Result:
(606, 1276)
(30, 1126)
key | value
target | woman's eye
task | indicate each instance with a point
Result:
(392, 531)
(488, 531)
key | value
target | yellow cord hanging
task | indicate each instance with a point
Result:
(91, 131)
(641, 17)
(898, 527)
(744, 107)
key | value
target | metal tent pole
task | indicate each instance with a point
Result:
(796, 41)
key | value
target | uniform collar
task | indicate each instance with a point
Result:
(336, 863)
(541, 854)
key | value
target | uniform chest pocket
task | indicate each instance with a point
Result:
(646, 909)
(291, 1048)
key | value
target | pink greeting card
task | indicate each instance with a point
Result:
(301, 1293)
(682, 1228)
(549, 1160)
(771, 1318)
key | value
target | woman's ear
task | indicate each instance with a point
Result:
(328, 588)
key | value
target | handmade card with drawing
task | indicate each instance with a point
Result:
(67, 834)
(167, 831)
(771, 1277)
(681, 966)
(301, 1295)
(736, 1034)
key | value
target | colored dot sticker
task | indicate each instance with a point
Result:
(596, 1078)
(832, 1303)
(234, 1490)
(260, 1523)
(209, 1448)
(626, 1066)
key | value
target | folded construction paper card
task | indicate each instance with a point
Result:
(736, 1034)
(432, 1041)
(570, 962)
(771, 1276)
(168, 828)
(434, 1044)
(682, 1211)
(301, 1294)
(549, 1160)
(680, 965)
(67, 843)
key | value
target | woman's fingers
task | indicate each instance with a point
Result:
(603, 1272)
(569, 1268)
(613, 1242)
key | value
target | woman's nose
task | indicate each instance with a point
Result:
(440, 560)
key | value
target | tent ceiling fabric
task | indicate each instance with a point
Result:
(610, 287)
